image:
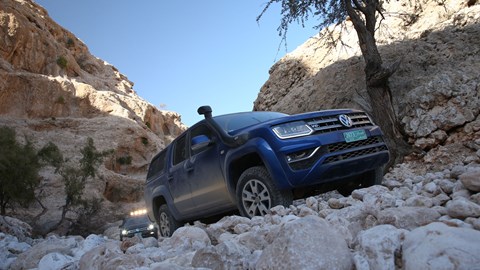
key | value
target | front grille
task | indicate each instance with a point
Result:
(136, 230)
(332, 123)
(335, 147)
(354, 154)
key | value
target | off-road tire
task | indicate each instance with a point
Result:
(167, 224)
(256, 193)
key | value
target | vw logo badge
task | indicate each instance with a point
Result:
(345, 120)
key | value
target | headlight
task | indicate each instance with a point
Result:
(124, 232)
(151, 227)
(292, 129)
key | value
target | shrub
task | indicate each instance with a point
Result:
(19, 168)
(125, 160)
(60, 100)
(70, 42)
(50, 154)
(62, 62)
(145, 141)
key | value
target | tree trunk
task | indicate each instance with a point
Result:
(384, 115)
(377, 77)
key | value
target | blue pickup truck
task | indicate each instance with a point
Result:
(252, 161)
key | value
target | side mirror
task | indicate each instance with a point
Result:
(200, 142)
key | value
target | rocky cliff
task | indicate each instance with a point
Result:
(53, 89)
(435, 90)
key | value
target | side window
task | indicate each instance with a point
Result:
(157, 166)
(180, 150)
(200, 130)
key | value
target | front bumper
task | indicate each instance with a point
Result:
(332, 158)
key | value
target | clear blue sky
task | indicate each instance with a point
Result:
(183, 54)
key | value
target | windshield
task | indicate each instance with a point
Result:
(232, 122)
(134, 222)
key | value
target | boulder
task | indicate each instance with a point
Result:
(407, 217)
(306, 243)
(438, 246)
(462, 208)
(471, 180)
(379, 245)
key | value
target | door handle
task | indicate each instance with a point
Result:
(170, 177)
(188, 166)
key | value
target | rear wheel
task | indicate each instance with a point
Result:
(167, 224)
(256, 193)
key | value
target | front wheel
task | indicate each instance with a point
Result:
(256, 193)
(373, 177)
(167, 224)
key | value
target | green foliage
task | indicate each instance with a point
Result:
(145, 141)
(74, 185)
(19, 168)
(60, 100)
(125, 160)
(91, 159)
(326, 12)
(75, 178)
(51, 155)
(62, 62)
(70, 42)
(148, 125)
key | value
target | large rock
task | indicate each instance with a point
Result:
(471, 179)
(306, 243)
(379, 245)
(15, 227)
(462, 208)
(226, 255)
(31, 258)
(407, 217)
(437, 246)
(109, 256)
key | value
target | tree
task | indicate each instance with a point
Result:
(19, 168)
(363, 14)
(75, 178)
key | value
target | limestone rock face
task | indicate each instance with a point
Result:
(53, 89)
(435, 90)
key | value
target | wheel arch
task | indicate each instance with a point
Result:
(238, 166)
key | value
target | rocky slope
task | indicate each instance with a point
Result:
(435, 90)
(413, 221)
(53, 89)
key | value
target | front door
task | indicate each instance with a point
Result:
(209, 189)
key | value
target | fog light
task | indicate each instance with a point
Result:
(301, 155)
